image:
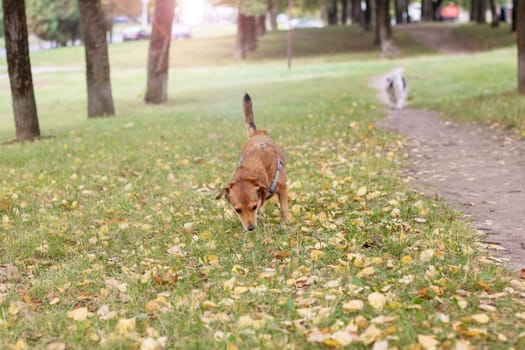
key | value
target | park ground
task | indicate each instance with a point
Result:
(111, 237)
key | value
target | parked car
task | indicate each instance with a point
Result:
(180, 31)
(414, 11)
(135, 33)
(304, 23)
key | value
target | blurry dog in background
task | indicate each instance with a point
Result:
(397, 89)
(261, 174)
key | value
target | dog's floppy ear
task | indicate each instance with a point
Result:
(225, 191)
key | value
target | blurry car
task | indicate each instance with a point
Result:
(180, 31)
(304, 23)
(135, 33)
(121, 19)
(449, 12)
(414, 11)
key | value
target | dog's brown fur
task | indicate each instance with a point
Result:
(248, 190)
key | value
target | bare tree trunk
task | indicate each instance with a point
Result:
(19, 67)
(250, 37)
(240, 53)
(495, 17)
(482, 10)
(514, 15)
(272, 14)
(405, 10)
(261, 25)
(398, 10)
(384, 30)
(331, 13)
(159, 51)
(520, 41)
(93, 23)
(427, 10)
(356, 13)
(344, 11)
(367, 16)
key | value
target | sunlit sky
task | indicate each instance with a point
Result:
(191, 11)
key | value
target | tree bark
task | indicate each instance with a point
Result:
(159, 51)
(261, 25)
(482, 9)
(384, 30)
(357, 14)
(344, 11)
(19, 68)
(398, 11)
(93, 23)
(240, 52)
(495, 17)
(514, 15)
(331, 13)
(250, 37)
(427, 10)
(367, 16)
(520, 41)
(272, 14)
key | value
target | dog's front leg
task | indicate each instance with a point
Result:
(283, 202)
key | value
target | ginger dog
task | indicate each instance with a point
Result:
(261, 174)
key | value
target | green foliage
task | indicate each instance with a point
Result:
(54, 20)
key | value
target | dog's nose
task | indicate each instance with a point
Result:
(250, 227)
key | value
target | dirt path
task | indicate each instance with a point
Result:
(479, 171)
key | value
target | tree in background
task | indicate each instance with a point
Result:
(520, 42)
(93, 23)
(19, 67)
(159, 48)
(383, 27)
(1, 22)
(54, 20)
(250, 13)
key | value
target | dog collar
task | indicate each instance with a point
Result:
(273, 186)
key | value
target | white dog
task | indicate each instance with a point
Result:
(397, 89)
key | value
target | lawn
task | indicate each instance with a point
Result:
(111, 237)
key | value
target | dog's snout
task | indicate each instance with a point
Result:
(250, 227)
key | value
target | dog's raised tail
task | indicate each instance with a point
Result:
(248, 115)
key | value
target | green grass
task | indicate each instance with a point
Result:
(463, 89)
(117, 217)
(485, 37)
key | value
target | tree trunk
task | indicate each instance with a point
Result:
(384, 30)
(357, 14)
(520, 40)
(405, 10)
(250, 37)
(19, 67)
(261, 25)
(93, 23)
(427, 10)
(159, 52)
(495, 16)
(272, 14)
(240, 52)
(398, 10)
(482, 10)
(367, 16)
(344, 11)
(514, 15)
(331, 13)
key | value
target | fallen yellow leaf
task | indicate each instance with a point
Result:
(377, 300)
(79, 314)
